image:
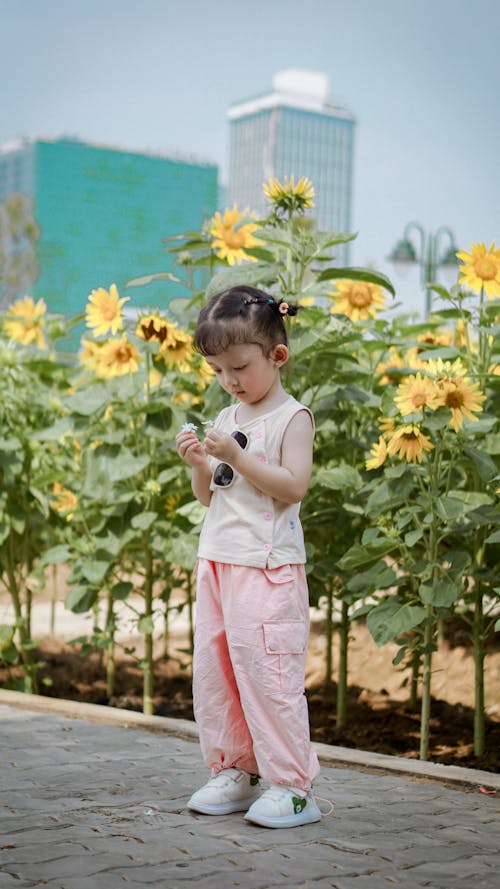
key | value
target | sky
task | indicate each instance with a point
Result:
(421, 78)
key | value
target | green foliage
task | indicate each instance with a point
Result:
(89, 475)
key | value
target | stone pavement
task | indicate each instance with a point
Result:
(99, 806)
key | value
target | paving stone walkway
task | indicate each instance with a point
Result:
(92, 806)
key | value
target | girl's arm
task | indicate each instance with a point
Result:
(193, 453)
(287, 482)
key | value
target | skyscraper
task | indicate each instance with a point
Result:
(103, 213)
(294, 131)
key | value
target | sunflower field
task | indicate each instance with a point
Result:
(402, 519)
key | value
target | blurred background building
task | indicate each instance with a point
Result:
(102, 214)
(295, 130)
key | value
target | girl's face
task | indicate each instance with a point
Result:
(245, 372)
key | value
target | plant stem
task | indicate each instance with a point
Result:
(147, 701)
(329, 636)
(30, 680)
(53, 600)
(110, 649)
(426, 685)
(479, 654)
(415, 672)
(342, 680)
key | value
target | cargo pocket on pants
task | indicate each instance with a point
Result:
(285, 643)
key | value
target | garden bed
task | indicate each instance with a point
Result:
(378, 718)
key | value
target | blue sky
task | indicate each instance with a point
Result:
(422, 79)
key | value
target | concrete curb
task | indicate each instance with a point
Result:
(329, 755)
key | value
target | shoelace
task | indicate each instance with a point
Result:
(329, 803)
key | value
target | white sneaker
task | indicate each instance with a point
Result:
(232, 790)
(282, 806)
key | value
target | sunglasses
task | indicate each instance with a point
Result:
(224, 473)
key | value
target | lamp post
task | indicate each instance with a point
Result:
(429, 258)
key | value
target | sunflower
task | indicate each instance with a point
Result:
(359, 300)
(104, 310)
(290, 197)
(155, 378)
(306, 301)
(154, 328)
(446, 371)
(118, 357)
(387, 426)
(24, 322)
(462, 398)
(91, 355)
(64, 501)
(230, 241)
(379, 454)
(409, 442)
(481, 269)
(436, 338)
(415, 393)
(204, 373)
(179, 352)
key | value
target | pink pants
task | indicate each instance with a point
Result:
(252, 626)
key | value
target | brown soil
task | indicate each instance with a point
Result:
(378, 719)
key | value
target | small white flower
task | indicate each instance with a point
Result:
(189, 427)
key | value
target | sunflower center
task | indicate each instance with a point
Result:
(409, 436)
(419, 399)
(360, 298)
(485, 268)
(123, 355)
(108, 310)
(234, 239)
(454, 399)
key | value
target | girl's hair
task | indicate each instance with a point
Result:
(242, 314)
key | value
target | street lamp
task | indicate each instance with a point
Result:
(429, 258)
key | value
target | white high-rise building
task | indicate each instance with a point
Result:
(294, 131)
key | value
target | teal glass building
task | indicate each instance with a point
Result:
(103, 214)
(294, 131)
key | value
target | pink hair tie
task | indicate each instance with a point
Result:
(283, 308)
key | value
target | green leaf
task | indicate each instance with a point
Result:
(88, 401)
(338, 478)
(144, 520)
(125, 465)
(193, 511)
(122, 590)
(441, 594)
(360, 554)
(145, 624)
(378, 577)
(412, 536)
(358, 274)
(168, 475)
(470, 499)
(482, 461)
(493, 538)
(57, 555)
(441, 291)
(80, 599)
(250, 273)
(391, 619)
(62, 427)
(156, 276)
(94, 571)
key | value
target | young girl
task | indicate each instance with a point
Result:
(252, 607)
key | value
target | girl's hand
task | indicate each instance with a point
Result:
(190, 449)
(223, 446)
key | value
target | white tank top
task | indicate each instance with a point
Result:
(243, 526)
